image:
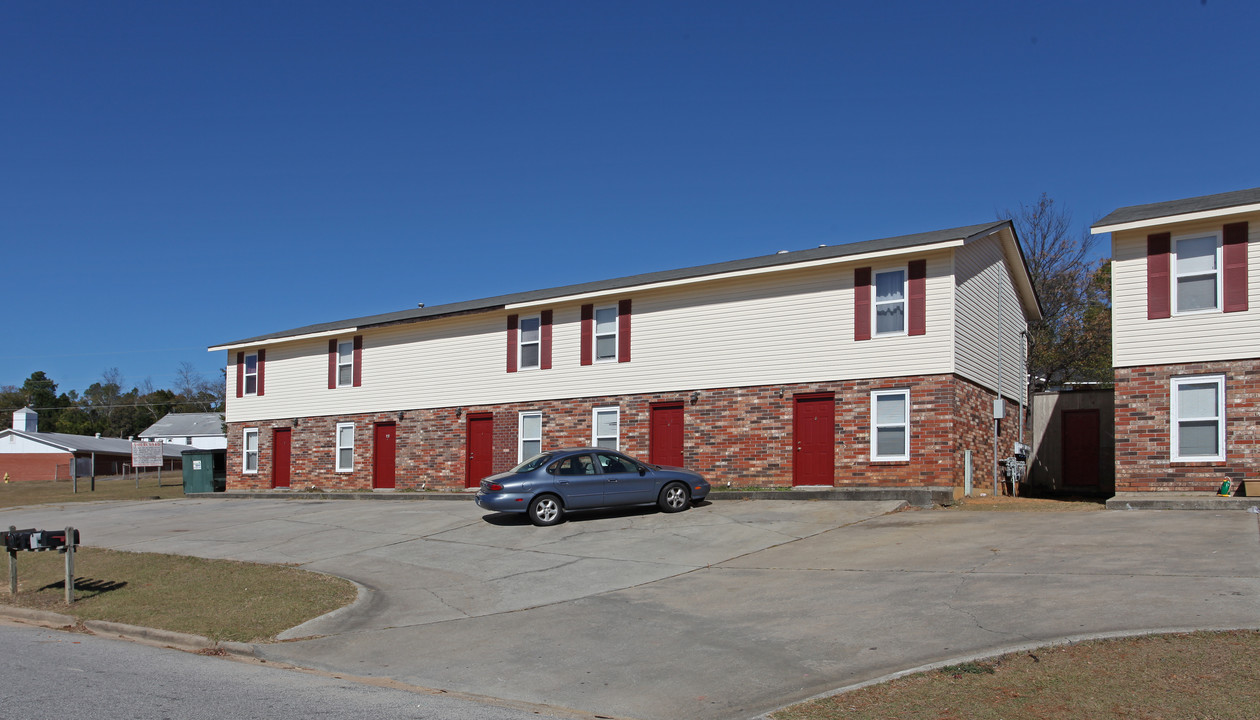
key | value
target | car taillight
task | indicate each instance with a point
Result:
(495, 487)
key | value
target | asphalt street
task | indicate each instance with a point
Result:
(728, 610)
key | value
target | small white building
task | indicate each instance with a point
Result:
(200, 430)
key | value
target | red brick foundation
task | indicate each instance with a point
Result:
(1143, 429)
(743, 436)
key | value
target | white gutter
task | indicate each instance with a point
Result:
(288, 338)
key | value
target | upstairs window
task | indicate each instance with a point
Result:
(606, 334)
(1197, 274)
(251, 374)
(530, 343)
(345, 363)
(890, 302)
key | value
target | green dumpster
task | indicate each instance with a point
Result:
(199, 471)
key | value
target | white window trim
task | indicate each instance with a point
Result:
(1175, 274)
(349, 363)
(595, 437)
(520, 343)
(247, 374)
(520, 433)
(1175, 419)
(904, 302)
(615, 334)
(338, 447)
(245, 451)
(875, 456)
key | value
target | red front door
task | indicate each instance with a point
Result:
(479, 449)
(666, 435)
(814, 435)
(383, 455)
(1079, 430)
(281, 456)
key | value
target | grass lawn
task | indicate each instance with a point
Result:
(25, 492)
(1164, 677)
(220, 599)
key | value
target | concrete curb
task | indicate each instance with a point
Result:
(1181, 501)
(149, 636)
(999, 652)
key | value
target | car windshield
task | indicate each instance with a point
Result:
(533, 463)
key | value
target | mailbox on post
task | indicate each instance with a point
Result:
(63, 541)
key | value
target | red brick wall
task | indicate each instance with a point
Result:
(737, 435)
(35, 466)
(1143, 429)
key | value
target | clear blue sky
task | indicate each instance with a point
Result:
(175, 175)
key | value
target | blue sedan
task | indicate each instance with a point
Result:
(550, 484)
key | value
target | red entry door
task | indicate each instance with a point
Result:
(479, 448)
(384, 445)
(1079, 430)
(281, 456)
(814, 433)
(666, 435)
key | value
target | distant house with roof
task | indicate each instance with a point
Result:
(200, 430)
(27, 454)
(1186, 341)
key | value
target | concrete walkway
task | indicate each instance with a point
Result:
(725, 611)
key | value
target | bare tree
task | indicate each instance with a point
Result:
(1072, 341)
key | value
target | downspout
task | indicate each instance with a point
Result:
(997, 404)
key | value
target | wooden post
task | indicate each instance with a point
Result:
(13, 566)
(69, 565)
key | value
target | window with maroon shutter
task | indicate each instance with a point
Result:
(1158, 282)
(332, 363)
(512, 322)
(862, 303)
(240, 374)
(262, 370)
(917, 314)
(587, 332)
(1234, 262)
(623, 331)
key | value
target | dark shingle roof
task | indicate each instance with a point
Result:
(1136, 213)
(764, 261)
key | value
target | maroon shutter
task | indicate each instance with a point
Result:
(588, 325)
(917, 310)
(513, 321)
(240, 374)
(262, 364)
(1158, 288)
(862, 303)
(358, 360)
(544, 340)
(332, 363)
(623, 331)
(1234, 259)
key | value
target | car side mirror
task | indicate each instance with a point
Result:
(642, 471)
(552, 470)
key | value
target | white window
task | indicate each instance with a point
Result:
(890, 425)
(345, 447)
(345, 363)
(890, 302)
(1198, 418)
(530, 444)
(250, 450)
(607, 423)
(1196, 281)
(529, 343)
(251, 374)
(606, 334)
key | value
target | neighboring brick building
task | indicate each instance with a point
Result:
(27, 454)
(874, 364)
(1186, 341)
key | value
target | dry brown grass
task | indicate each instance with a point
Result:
(1165, 677)
(1029, 504)
(16, 493)
(220, 599)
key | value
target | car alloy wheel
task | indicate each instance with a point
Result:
(673, 498)
(545, 510)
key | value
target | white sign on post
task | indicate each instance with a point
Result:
(146, 454)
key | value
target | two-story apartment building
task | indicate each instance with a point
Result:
(873, 364)
(1186, 341)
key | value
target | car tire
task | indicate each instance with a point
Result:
(673, 498)
(545, 510)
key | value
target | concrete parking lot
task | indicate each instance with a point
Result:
(727, 610)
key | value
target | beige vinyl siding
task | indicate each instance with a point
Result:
(789, 327)
(1137, 341)
(983, 280)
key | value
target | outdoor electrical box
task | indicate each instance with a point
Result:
(999, 408)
